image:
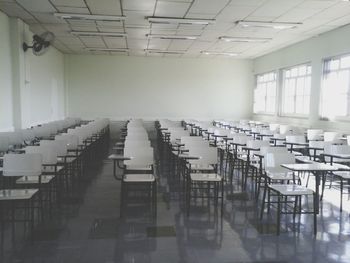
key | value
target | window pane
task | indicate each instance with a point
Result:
(306, 105)
(289, 104)
(299, 103)
(302, 71)
(334, 64)
(287, 73)
(294, 72)
(345, 62)
(300, 86)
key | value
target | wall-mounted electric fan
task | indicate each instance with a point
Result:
(40, 43)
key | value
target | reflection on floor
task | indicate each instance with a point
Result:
(88, 229)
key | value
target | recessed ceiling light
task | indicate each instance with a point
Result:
(88, 17)
(219, 53)
(92, 33)
(245, 39)
(172, 37)
(157, 51)
(107, 49)
(274, 25)
(171, 20)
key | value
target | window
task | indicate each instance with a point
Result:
(296, 90)
(265, 93)
(335, 99)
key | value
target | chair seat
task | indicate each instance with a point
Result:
(205, 177)
(139, 178)
(291, 189)
(201, 167)
(343, 174)
(17, 194)
(279, 173)
(45, 179)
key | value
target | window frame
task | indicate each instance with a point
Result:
(283, 91)
(265, 112)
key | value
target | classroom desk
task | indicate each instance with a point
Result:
(318, 169)
(117, 158)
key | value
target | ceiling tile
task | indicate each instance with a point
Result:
(93, 42)
(159, 44)
(200, 16)
(180, 44)
(75, 3)
(115, 42)
(137, 18)
(37, 5)
(137, 44)
(70, 41)
(139, 5)
(104, 7)
(208, 6)
(171, 9)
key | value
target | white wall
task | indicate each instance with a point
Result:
(46, 89)
(313, 50)
(122, 87)
(5, 75)
(31, 87)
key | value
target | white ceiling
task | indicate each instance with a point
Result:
(317, 16)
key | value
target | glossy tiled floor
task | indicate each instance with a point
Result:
(88, 229)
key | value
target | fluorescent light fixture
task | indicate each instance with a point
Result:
(274, 25)
(89, 17)
(102, 34)
(171, 20)
(219, 53)
(107, 49)
(158, 51)
(245, 39)
(172, 37)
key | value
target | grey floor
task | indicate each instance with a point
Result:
(87, 228)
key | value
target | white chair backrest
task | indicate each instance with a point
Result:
(133, 151)
(269, 149)
(59, 144)
(286, 129)
(22, 164)
(139, 157)
(274, 127)
(4, 143)
(257, 144)
(314, 134)
(276, 159)
(137, 143)
(208, 155)
(332, 136)
(28, 135)
(337, 149)
(241, 139)
(72, 140)
(296, 138)
(49, 153)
